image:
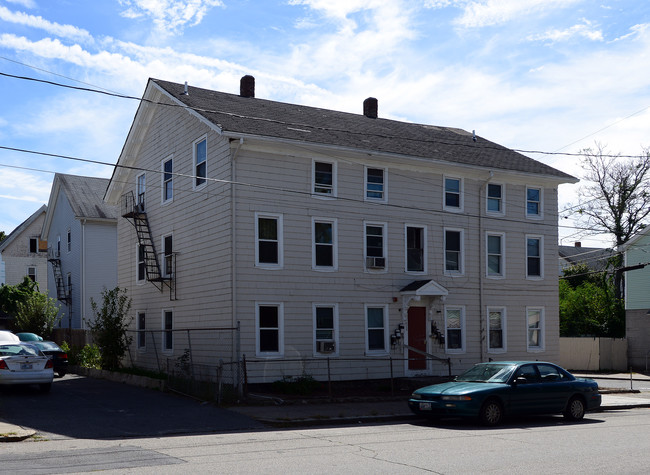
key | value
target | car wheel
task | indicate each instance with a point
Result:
(45, 388)
(491, 413)
(575, 409)
(61, 374)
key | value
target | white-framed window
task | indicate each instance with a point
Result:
(376, 329)
(69, 240)
(168, 330)
(269, 329)
(495, 256)
(416, 248)
(495, 198)
(168, 255)
(326, 329)
(376, 184)
(141, 326)
(141, 264)
(31, 273)
(534, 257)
(58, 245)
(33, 245)
(534, 202)
(455, 329)
(268, 241)
(323, 178)
(454, 255)
(200, 153)
(496, 325)
(68, 279)
(140, 189)
(375, 246)
(324, 250)
(167, 180)
(453, 194)
(535, 328)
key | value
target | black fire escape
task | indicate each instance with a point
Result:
(62, 290)
(134, 211)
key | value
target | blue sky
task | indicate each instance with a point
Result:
(537, 75)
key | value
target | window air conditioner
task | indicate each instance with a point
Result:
(375, 262)
(323, 346)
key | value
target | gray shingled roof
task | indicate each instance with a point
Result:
(595, 258)
(253, 116)
(86, 196)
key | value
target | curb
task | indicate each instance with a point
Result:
(16, 434)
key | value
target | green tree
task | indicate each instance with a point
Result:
(11, 295)
(110, 326)
(589, 306)
(37, 313)
(2, 236)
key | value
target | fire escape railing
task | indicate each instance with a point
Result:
(62, 290)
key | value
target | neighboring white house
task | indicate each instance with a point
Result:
(637, 299)
(23, 253)
(81, 230)
(330, 236)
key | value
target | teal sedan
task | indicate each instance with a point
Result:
(492, 391)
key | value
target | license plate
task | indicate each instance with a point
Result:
(425, 406)
(26, 366)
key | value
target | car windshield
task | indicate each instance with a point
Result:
(487, 373)
(17, 350)
(46, 345)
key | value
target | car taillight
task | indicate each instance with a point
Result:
(49, 364)
(64, 356)
(3, 364)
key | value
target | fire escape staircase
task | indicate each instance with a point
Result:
(135, 212)
(62, 291)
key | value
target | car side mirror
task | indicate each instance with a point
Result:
(520, 380)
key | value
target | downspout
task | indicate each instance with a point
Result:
(82, 310)
(482, 261)
(233, 250)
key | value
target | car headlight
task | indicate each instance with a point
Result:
(416, 396)
(456, 398)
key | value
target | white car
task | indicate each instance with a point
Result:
(22, 363)
(8, 336)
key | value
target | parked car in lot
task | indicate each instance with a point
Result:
(491, 391)
(24, 336)
(55, 353)
(22, 363)
(6, 336)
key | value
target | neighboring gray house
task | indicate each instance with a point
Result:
(333, 239)
(637, 299)
(23, 253)
(595, 258)
(81, 230)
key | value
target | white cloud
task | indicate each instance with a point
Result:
(583, 30)
(480, 13)
(63, 31)
(24, 3)
(169, 16)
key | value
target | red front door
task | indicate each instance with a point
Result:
(417, 337)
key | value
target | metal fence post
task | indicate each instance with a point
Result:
(392, 385)
(329, 379)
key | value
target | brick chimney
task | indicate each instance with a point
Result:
(247, 86)
(370, 107)
(577, 244)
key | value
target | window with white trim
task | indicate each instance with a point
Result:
(496, 329)
(268, 240)
(31, 273)
(495, 197)
(455, 329)
(141, 265)
(141, 322)
(167, 180)
(534, 257)
(535, 322)
(168, 333)
(69, 240)
(415, 248)
(168, 255)
(376, 329)
(326, 329)
(375, 248)
(68, 289)
(533, 202)
(324, 178)
(375, 184)
(495, 255)
(200, 152)
(269, 329)
(33, 245)
(140, 188)
(453, 251)
(453, 199)
(324, 252)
